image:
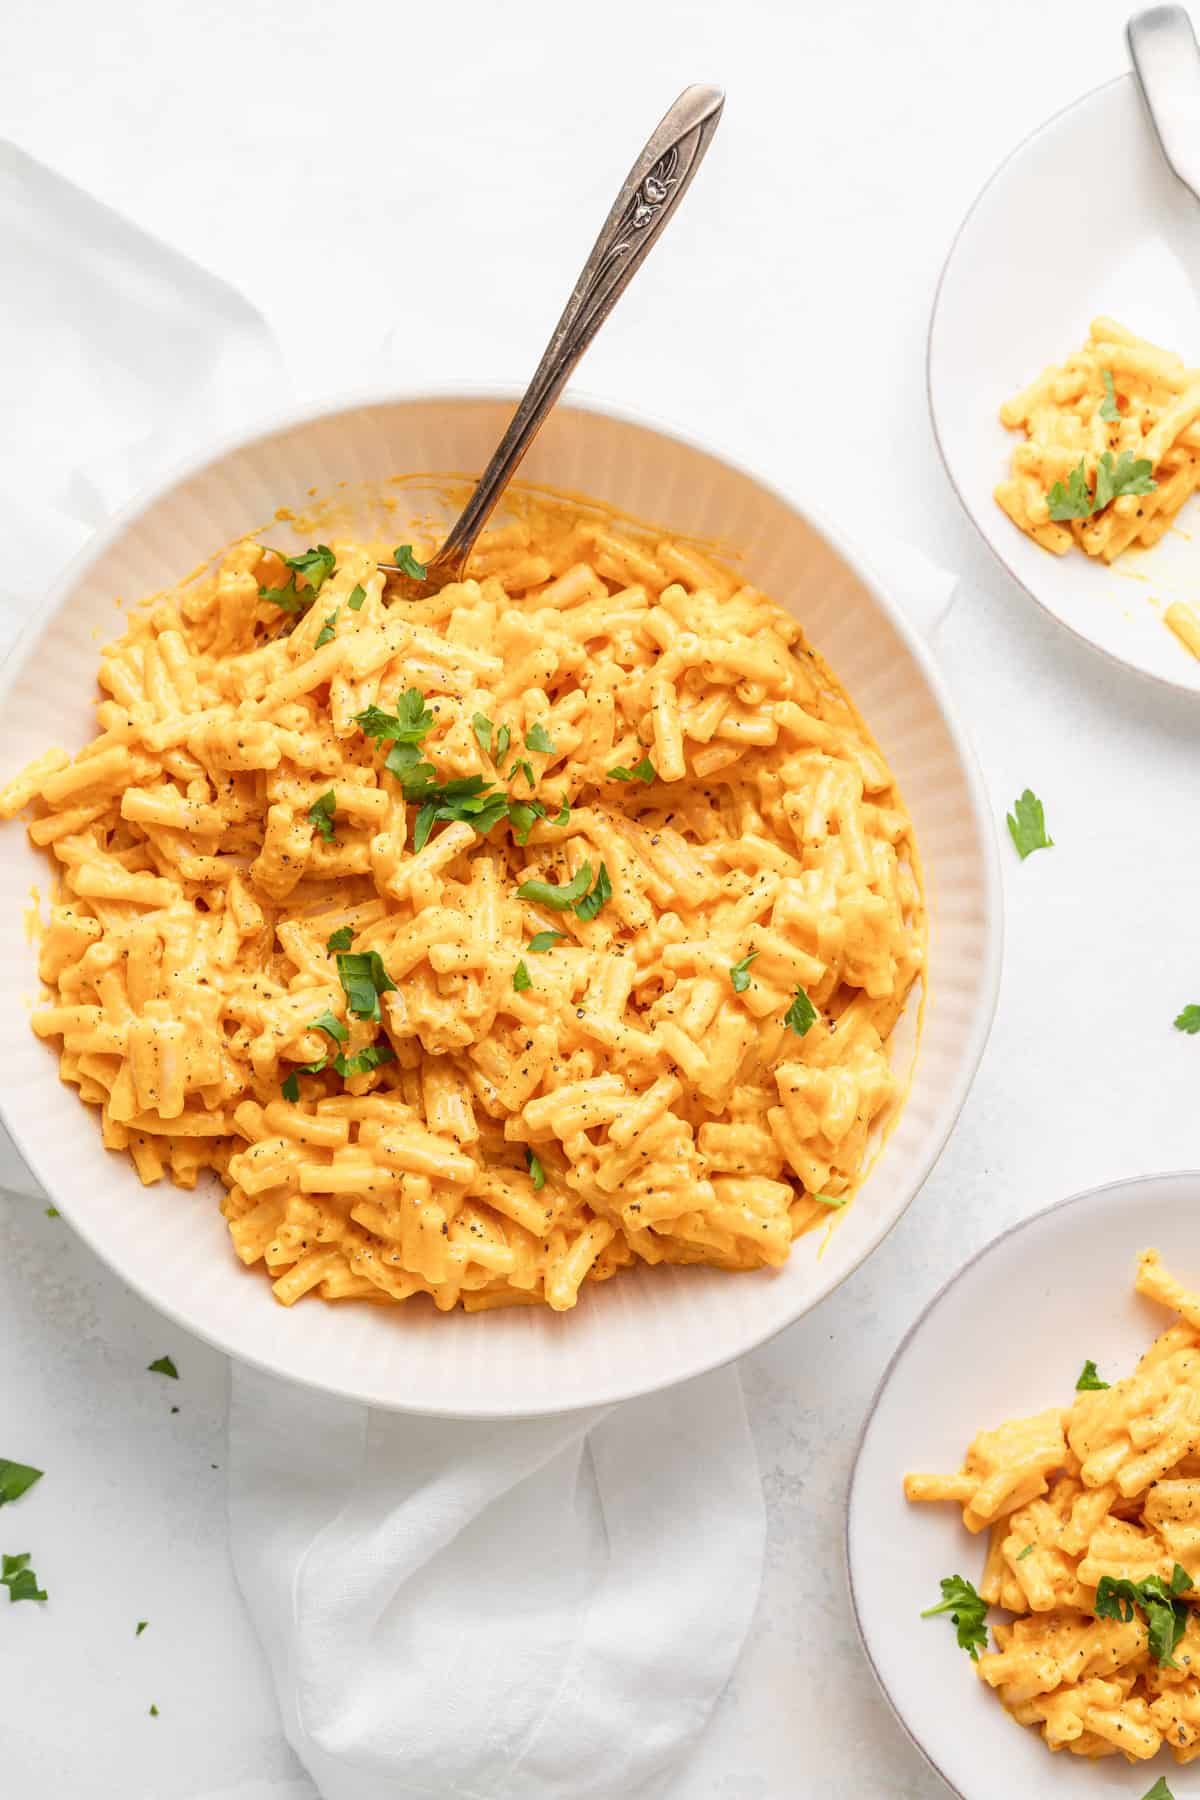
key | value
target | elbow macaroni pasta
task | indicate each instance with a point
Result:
(625, 1100)
(1108, 1487)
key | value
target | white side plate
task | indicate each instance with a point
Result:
(1037, 258)
(1008, 1336)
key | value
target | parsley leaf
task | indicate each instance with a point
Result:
(801, 1015)
(16, 1479)
(1108, 406)
(545, 940)
(163, 1366)
(482, 726)
(521, 763)
(331, 1025)
(1073, 501)
(465, 798)
(52, 1212)
(563, 814)
(327, 634)
(288, 597)
(521, 978)
(1160, 1791)
(364, 979)
(536, 1171)
(828, 1199)
(341, 939)
(601, 894)
(154, 1712)
(1166, 1614)
(545, 893)
(19, 1579)
(321, 813)
(316, 566)
(410, 722)
(357, 596)
(363, 1061)
(141, 1626)
(290, 1087)
(968, 1612)
(407, 563)
(1129, 475)
(1027, 825)
(1027, 1551)
(503, 740)
(739, 972)
(1189, 1020)
(1089, 1382)
(642, 771)
(536, 738)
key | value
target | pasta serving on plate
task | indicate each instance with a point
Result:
(487, 943)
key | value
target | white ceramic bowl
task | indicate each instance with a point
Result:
(648, 1328)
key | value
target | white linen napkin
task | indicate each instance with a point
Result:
(546, 1608)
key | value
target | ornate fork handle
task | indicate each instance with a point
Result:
(654, 187)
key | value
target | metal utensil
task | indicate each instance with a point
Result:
(652, 190)
(1162, 42)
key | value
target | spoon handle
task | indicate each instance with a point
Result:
(651, 192)
(1162, 42)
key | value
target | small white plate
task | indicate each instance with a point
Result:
(1007, 1336)
(1036, 259)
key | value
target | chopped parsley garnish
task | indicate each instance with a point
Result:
(503, 740)
(562, 816)
(410, 722)
(482, 726)
(600, 895)
(141, 1626)
(464, 798)
(521, 978)
(537, 739)
(316, 566)
(331, 1025)
(560, 898)
(163, 1366)
(1160, 1791)
(16, 1479)
(830, 1200)
(1074, 501)
(1027, 825)
(642, 771)
(341, 939)
(327, 633)
(968, 1612)
(321, 814)
(536, 1172)
(357, 596)
(1089, 1382)
(363, 1061)
(1189, 1020)
(20, 1580)
(154, 1712)
(364, 979)
(52, 1212)
(801, 1015)
(1027, 1551)
(523, 816)
(739, 972)
(1127, 475)
(522, 763)
(1108, 406)
(545, 940)
(289, 1087)
(407, 563)
(1166, 1614)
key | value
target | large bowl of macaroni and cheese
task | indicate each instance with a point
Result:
(499, 1002)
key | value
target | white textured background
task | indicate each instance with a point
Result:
(433, 175)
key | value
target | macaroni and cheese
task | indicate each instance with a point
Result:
(1093, 1516)
(487, 943)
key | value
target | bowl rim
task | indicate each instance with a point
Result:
(296, 416)
(1081, 1197)
(997, 555)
